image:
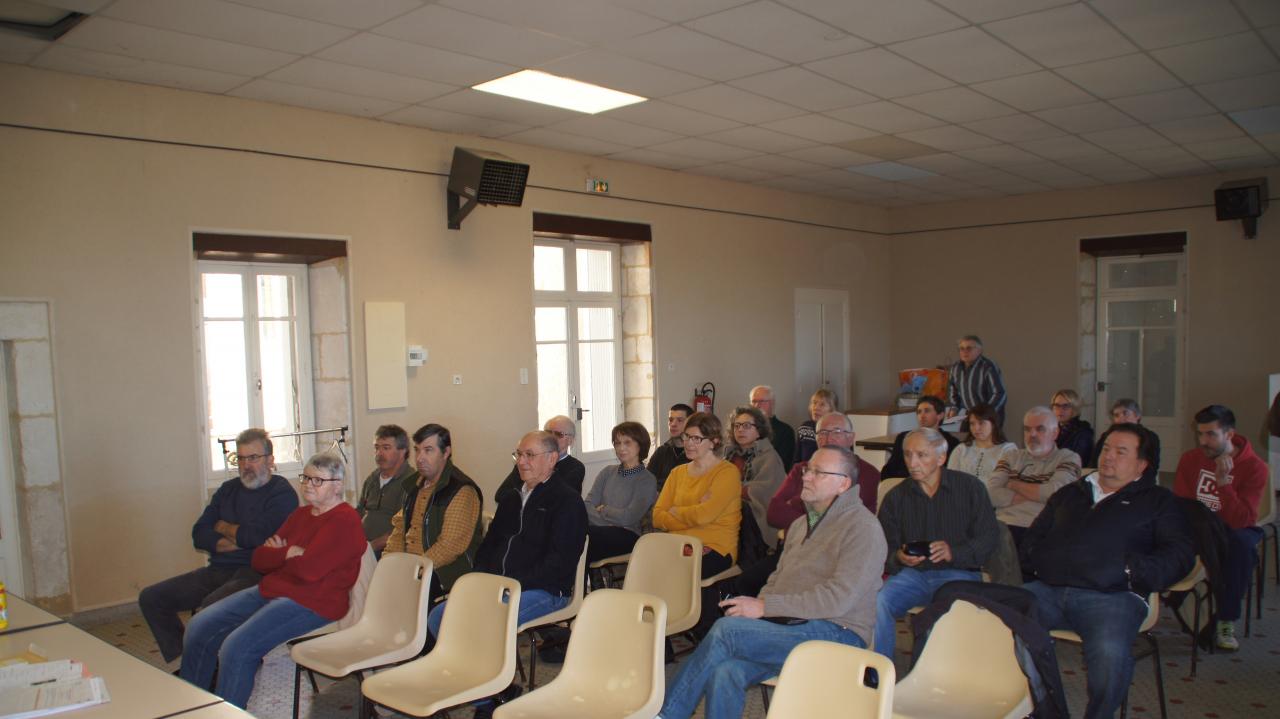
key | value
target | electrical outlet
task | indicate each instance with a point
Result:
(457, 379)
(524, 375)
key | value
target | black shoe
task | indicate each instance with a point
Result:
(552, 655)
(509, 694)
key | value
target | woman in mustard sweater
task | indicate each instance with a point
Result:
(703, 498)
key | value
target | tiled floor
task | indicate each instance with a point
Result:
(1243, 684)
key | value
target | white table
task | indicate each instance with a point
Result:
(224, 710)
(24, 615)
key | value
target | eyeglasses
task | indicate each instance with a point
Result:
(744, 425)
(810, 470)
(1061, 405)
(518, 455)
(695, 439)
(560, 435)
(968, 348)
(242, 458)
(829, 432)
(308, 480)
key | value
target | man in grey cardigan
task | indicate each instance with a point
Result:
(824, 588)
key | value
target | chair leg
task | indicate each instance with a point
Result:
(533, 659)
(1155, 657)
(764, 697)
(1275, 545)
(1195, 631)
(311, 676)
(520, 666)
(297, 687)
(1261, 577)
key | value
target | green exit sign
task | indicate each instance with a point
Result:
(597, 185)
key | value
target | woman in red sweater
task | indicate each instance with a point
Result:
(308, 569)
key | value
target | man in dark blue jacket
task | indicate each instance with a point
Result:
(1099, 547)
(243, 513)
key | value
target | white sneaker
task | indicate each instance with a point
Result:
(1226, 637)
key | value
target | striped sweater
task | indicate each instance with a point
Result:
(1052, 472)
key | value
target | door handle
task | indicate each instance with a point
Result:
(580, 411)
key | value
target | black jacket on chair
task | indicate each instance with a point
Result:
(538, 544)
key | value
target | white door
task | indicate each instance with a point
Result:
(578, 334)
(822, 319)
(10, 536)
(1141, 316)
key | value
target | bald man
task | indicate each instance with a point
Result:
(568, 470)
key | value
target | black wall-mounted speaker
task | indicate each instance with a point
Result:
(481, 177)
(1243, 200)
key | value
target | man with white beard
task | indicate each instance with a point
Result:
(243, 513)
(1025, 479)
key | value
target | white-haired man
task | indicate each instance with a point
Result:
(1024, 479)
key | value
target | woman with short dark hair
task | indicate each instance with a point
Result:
(622, 495)
(762, 472)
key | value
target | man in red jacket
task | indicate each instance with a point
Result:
(1225, 475)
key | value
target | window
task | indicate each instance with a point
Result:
(255, 358)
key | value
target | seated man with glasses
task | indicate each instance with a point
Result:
(243, 513)
(824, 588)
(569, 470)
(536, 538)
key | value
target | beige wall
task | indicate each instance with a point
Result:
(101, 227)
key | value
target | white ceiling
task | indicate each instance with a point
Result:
(885, 102)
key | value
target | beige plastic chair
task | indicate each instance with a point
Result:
(669, 566)
(392, 629)
(613, 666)
(968, 669)
(568, 612)
(733, 571)
(474, 656)
(604, 567)
(1153, 650)
(1199, 596)
(1254, 592)
(355, 599)
(883, 488)
(826, 679)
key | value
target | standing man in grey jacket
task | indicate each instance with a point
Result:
(824, 588)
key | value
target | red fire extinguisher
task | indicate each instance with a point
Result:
(704, 398)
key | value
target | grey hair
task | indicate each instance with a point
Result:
(972, 338)
(932, 436)
(765, 387)
(330, 463)
(848, 461)
(1127, 404)
(1045, 411)
(848, 421)
(255, 434)
(547, 440)
(573, 429)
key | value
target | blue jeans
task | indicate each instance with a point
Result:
(909, 588)
(234, 635)
(737, 653)
(1108, 623)
(1237, 570)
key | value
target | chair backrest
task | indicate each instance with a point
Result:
(669, 566)
(826, 679)
(397, 604)
(1153, 612)
(478, 629)
(359, 590)
(883, 488)
(579, 580)
(1267, 504)
(615, 656)
(970, 653)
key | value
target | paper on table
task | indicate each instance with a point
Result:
(36, 690)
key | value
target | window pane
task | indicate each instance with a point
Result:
(595, 271)
(553, 381)
(1143, 274)
(1158, 370)
(1123, 360)
(221, 295)
(225, 373)
(548, 268)
(273, 296)
(279, 396)
(550, 324)
(598, 394)
(1140, 313)
(595, 323)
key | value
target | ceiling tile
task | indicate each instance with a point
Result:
(844, 178)
(704, 150)
(1129, 75)
(1161, 23)
(979, 11)
(677, 10)
(1271, 142)
(645, 156)
(1166, 105)
(680, 48)
(377, 52)
(891, 171)
(881, 22)
(542, 137)
(315, 98)
(1194, 166)
(444, 121)
(1271, 36)
(230, 22)
(619, 72)
(672, 118)
(1198, 129)
(497, 107)
(1243, 93)
(880, 72)
(729, 171)
(1222, 58)
(448, 29)
(820, 128)
(772, 29)
(781, 165)
(732, 103)
(1155, 157)
(1259, 121)
(88, 7)
(19, 49)
(831, 156)
(1243, 163)
(1105, 167)
(793, 184)
(1038, 91)
(1127, 138)
(325, 75)
(945, 163)
(583, 20)
(1062, 148)
(1088, 117)
(1014, 128)
(888, 147)
(361, 16)
(1224, 149)
(957, 104)
(1062, 36)
(759, 139)
(802, 88)
(125, 38)
(1052, 174)
(613, 130)
(886, 117)
(989, 176)
(949, 138)
(1260, 12)
(119, 67)
(966, 55)
(1000, 156)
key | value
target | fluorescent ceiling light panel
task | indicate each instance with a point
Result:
(891, 171)
(548, 89)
